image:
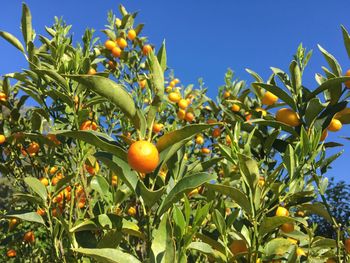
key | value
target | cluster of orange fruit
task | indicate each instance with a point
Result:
(28, 238)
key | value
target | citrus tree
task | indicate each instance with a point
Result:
(112, 159)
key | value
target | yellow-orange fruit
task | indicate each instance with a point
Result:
(193, 192)
(132, 211)
(11, 253)
(262, 111)
(174, 97)
(88, 125)
(2, 139)
(143, 156)
(92, 170)
(116, 52)
(228, 139)
(216, 132)
(3, 97)
(157, 127)
(347, 83)
(131, 34)
(183, 104)
(40, 211)
(53, 170)
(44, 181)
(281, 211)
(205, 150)
(109, 44)
(335, 125)
(29, 237)
(288, 116)
(287, 227)
(33, 148)
(300, 252)
(146, 49)
(199, 139)
(91, 71)
(238, 246)
(347, 245)
(189, 117)
(261, 181)
(235, 108)
(324, 135)
(269, 98)
(181, 114)
(142, 83)
(227, 94)
(121, 42)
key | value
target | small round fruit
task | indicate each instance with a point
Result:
(53, 170)
(132, 211)
(287, 227)
(199, 139)
(177, 81)
(29, 237)
(143, 156)
(335, 125)
(269, 98)
(261, 181)
(235, 108)
(288, 116)
(91, 71)
(183, 104)
(238, 246)
(118, 22)
(3, 97)
(347, 245)
(216, 132)
(142, 83)
(44, 181)
(116, 52)
(347, 83)
(11, 253)
(2, 139)
(281, 211)
(174, 97)
(40, 211)
(121, 42)
(205, 150)
(131, 34)
(33, 148)
(228, 139)
(172, 83)
(146, 49)
(157, 127)
(88, 125)
(189, 117)
(109, 44)
(92, 170)
(181, 114)
(227, 94)
(331, 260)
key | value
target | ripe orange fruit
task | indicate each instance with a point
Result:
(205, 150)
(44, 181)
(81, 203)
(88, 125)
(131, 34)
(269, 98)
(324, 135)
(347, 83)
(228, 139)
(347, 245)
(3, 96)
(11, 253)
(227, 94)
(288, 116)
(261, 182)
(40, 211)
(29, 237)
(157, 127)
(248, 116)
(91, 71)
(174, 97)
(53, 138)
(109, 44)
(335, 125)
(132, 211)
(116, 52)
(13, 222)
(176, 81)
(287, 227)
(121, 42)
(2, 139)
(183, 104)
(143, 156)
(33, 148)
(53, 170)
(142, 83)
(111, 64)
(146, 49)
(281, 211)
(216, 132)
(172, 83)
(235, 108)
(199, 139)
(92, 170)
(238, 246)
(114, 180)
(181, 114)
(189, 117)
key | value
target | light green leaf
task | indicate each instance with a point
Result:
(36, 186)
(29, 217)
(107, 255)
(12, 40)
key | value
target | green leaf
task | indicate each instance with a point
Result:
(313, 109)
(318, 209)
(26, 24)
(219, 221)
(289, 160)
(184, 185)
(179, 222)
(100, 185)
(295, 76)
(280, 93)
(249, 170)
(332, 62)
(271, 223)
(277, 246)
(276, 124)
(98, 139)
(346, 38)
(163, 247)
(29, 217)
(36, 186)
(234, 193)
(107, 255)
(162, 57)
(103, 221)
(53, 75)
(204, 166)
(111, 239)
(327, 85)
(186, 132)
(149, 196)
(12, 40)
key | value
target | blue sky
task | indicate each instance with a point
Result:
(204, 38)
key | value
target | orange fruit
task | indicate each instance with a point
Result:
(121, 42)
(109, 44)
(189, 117)
(176, 81)
(132, 211)
(331, 260)
(324, 135)
(287, 227)
(114, 180)
(335, 125)
(11, 253)
(199, 139)
(228, 139)
(91, 71)
(157, 127)
(88, 125)
(53, 138)
(13, 222)
(288, 116)
(44, 181)
(211, 121)
(181, 114)
(40, 211)
(281, 211)
(183, 104)
(2, 139)
(81, 203)
(172, 83)
(216, 132)
(146, 49)
(269, 98)
(33, 148)
(29, 237)
(131, 34)
(238, 246)
(347, 245)
(174, 97)
(111, 64)
(142, 83)
(53, 170)
(92, 170)
(143, 156)
(347, 83)
(248, 116)
(116, 52)
(227, 94)
(3, 96)
(235, 108)
(205, 150)
(261, 181)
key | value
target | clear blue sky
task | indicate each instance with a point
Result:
(204, 38)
